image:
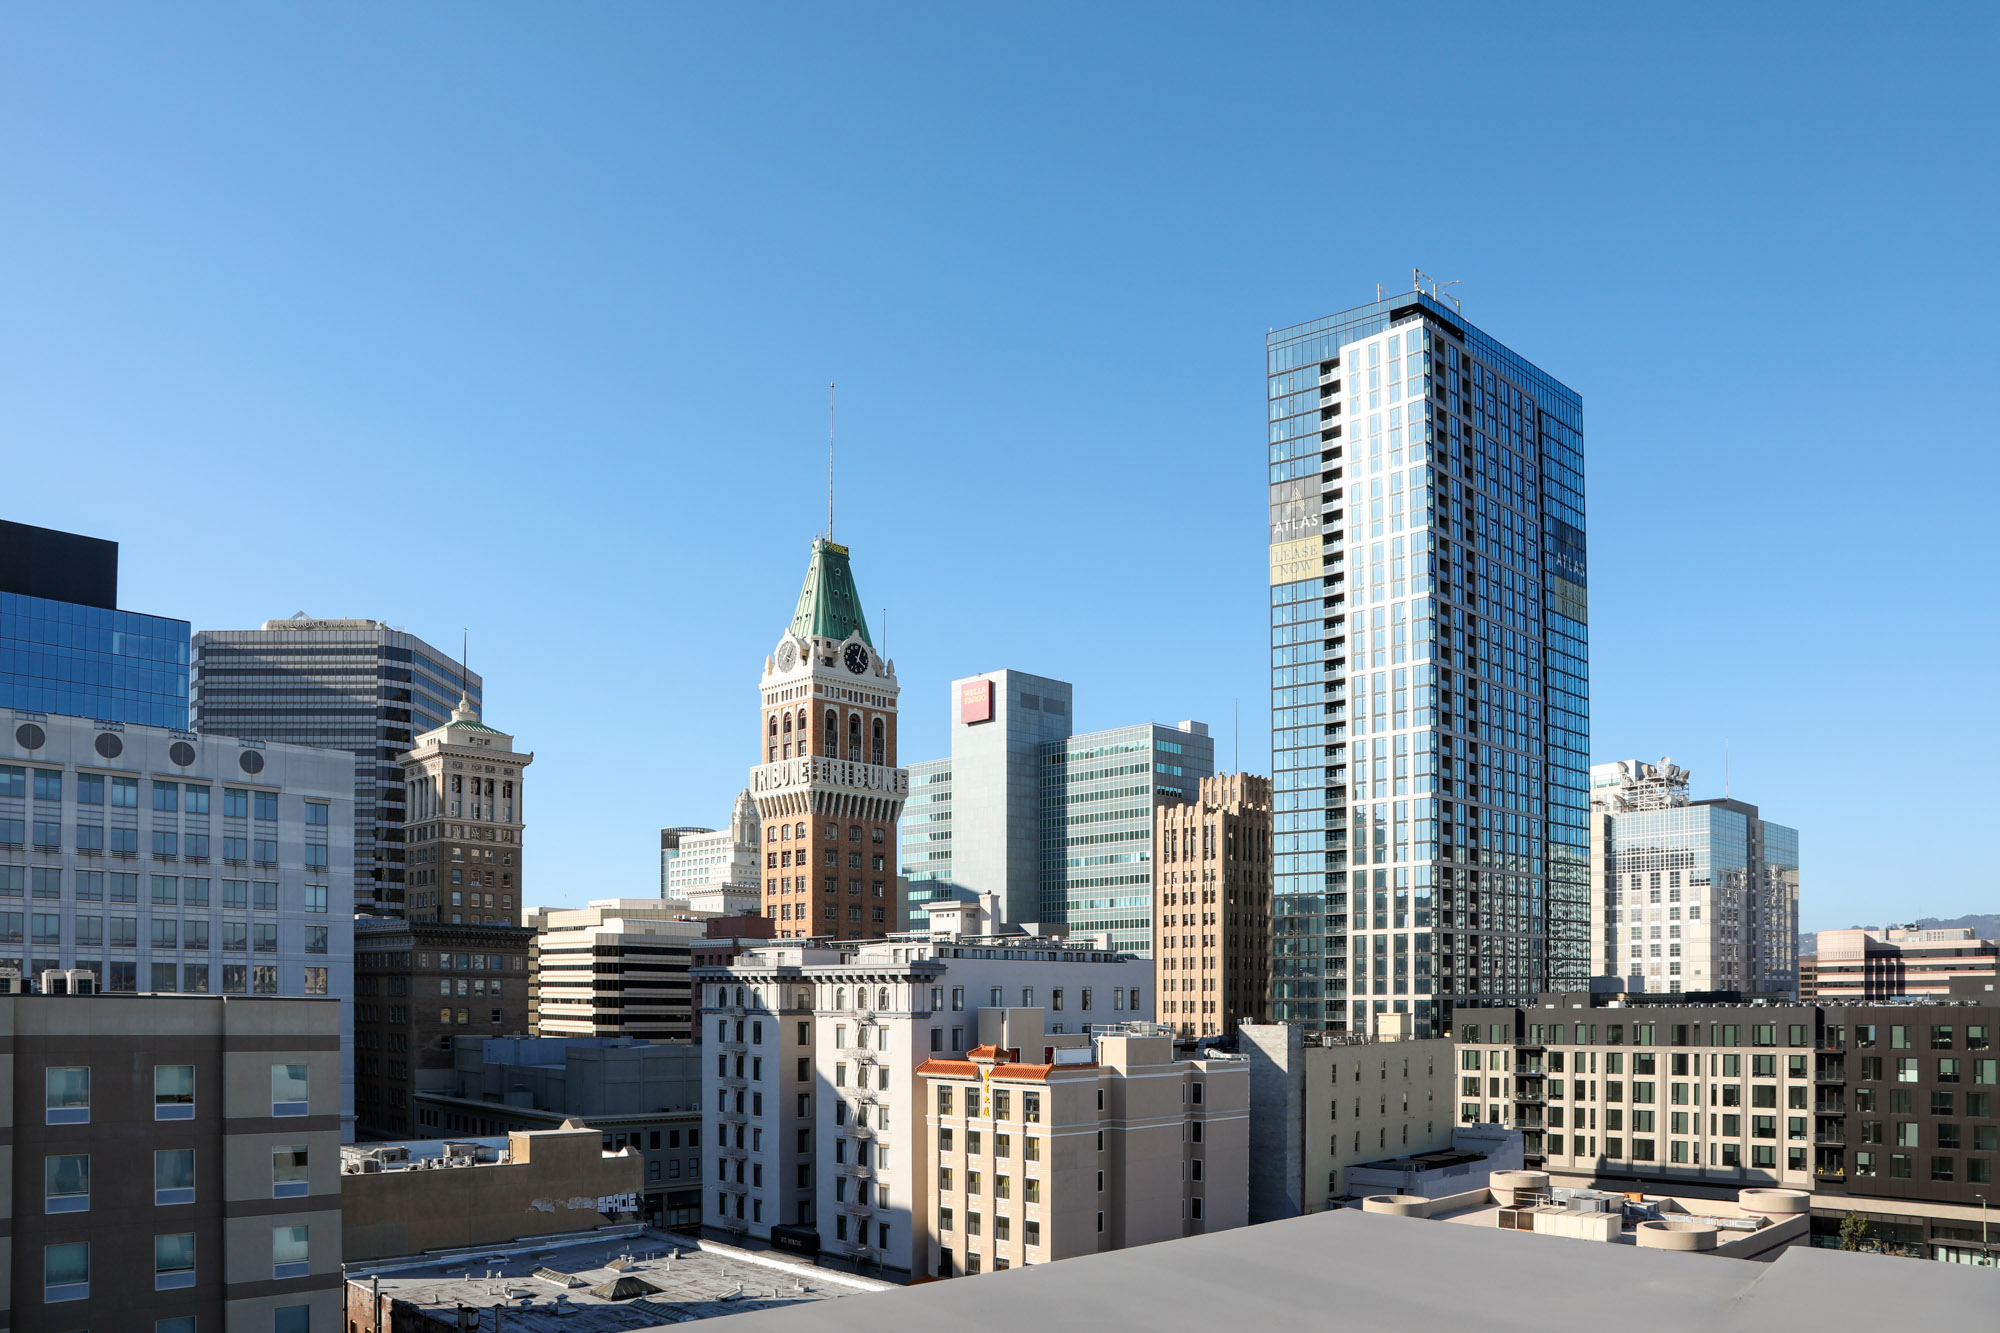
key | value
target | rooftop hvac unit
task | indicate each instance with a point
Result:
(10, 984)
(68, 981)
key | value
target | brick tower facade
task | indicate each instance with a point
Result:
(827, 786)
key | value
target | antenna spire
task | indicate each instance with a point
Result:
(829, 460)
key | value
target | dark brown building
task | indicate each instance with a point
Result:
(468, 793)
(418, 986)
(175, 1162)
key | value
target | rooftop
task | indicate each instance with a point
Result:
(1394, 1272)
(620, 1279)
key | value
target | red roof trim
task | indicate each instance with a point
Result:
(949, 1069)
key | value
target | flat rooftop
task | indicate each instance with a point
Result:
(566, 1283)
(1729, 1218)
(1406, 1274)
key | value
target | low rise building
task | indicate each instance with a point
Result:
(1898, 962)
(1212, 906)
(1322, 1102)
(637, 1094)
(407, 1198)
(1041, 1146)
(1401, 1272)
(617, 968)
(1884, 1109)
(613, 1280)
(174, 1159)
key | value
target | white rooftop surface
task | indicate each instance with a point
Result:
(1348, 1269)
(705, 1280)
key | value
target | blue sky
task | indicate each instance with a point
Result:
(520, 318)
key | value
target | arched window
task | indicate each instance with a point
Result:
(882, 998)
(854, 735)
(854, 833)
(802, 719)
(840, 997)
(832, 734)
(774, 724)
(788, 724)
(875, 754)
(771, 833)
(833, 832)
(800, 831)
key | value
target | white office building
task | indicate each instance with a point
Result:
(1689, 895)
(720, 872)
(171, 861)
(809, 1086)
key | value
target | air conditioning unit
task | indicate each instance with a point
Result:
(11, 984)
(68, 981)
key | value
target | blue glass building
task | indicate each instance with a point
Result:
(1429, 670)
(65, 647)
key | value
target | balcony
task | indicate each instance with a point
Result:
(1830, 1076)
(863, 1172)
(1830, 1108)
(1830, 1140)
(1833, 1174)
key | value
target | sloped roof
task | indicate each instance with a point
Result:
(829, 604)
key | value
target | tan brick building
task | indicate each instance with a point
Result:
(826, 783)
(1212, 906)
(1043, 1146)
(466, 818)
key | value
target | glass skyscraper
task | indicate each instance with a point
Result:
(1430, 670)
(354, 685)
(65, 647)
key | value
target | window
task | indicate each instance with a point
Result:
(173, 1176)
(288, 1172)
(66, 1183)
(292, 1319)
(288, 1090)
(67, 1093)
(290, 1252)
(173, 1092)
(66, 1272)
(173, 1261)
(316, 814)
(235, 804)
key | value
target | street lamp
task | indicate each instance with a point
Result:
(1982, 1219)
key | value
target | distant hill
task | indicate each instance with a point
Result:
(1985, 925)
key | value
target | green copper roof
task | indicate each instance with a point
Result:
(829, 606)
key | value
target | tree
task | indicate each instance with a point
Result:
(1853, 1232)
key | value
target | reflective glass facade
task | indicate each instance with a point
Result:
(926, 835)
(1700, 897)
(1430, 679)
(1098, 791)
(89, 661)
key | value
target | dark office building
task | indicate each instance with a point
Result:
(65, 647)
(355, 685)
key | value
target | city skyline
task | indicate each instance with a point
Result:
(377, 325)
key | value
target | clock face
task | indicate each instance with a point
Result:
(856, 658)
(788, 654)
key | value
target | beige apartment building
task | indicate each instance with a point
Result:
(1212, 906)
(1047, 1145)
(1323, 1102)
(1897, 962)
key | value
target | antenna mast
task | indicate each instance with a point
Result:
(829, 460)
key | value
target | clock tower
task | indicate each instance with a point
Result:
(827, 785)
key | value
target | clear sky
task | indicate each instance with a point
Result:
(520, 318)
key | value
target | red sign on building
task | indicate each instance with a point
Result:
(975, 701)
